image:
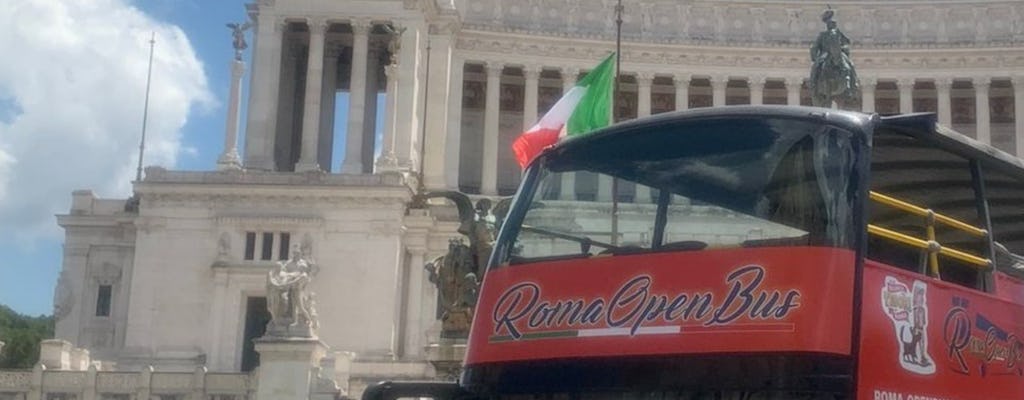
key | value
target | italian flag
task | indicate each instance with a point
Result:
(584, 108)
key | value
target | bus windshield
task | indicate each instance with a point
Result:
(689, 185)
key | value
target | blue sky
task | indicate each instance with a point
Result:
(33, 254)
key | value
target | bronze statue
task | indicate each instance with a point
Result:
(833, 77)
(458, 273)
(238, 37)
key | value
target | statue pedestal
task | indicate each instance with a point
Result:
(288, 367)
(446, 356)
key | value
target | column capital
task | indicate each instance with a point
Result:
(981, 82)
(792, 81)
(718, 80)
(1018, 82)
(681, 79)
(943, 83)
(868, 82)
(494, 68)
(756, 81)
(531, 71)
(361, 26)
(645, 78)
(905, 83)
(570, 74)
(317, 25)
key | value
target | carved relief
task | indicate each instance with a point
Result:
(511, 97)
(663, 102)
(473, 95)
(546, 97)
(1001, 109)
(963, 110)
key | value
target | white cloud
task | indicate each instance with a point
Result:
(75, 73)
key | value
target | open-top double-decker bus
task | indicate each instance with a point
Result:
(755, 253)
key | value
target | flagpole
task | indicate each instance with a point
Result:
(615, 96)
(145, 108)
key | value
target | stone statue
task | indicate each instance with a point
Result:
(223, 250)
(833, 77)
(395, 41)
(291, 304)
(238, 37)
(458, 273)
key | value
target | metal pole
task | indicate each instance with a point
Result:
(615, 95)
(145, 108)
(423, 126)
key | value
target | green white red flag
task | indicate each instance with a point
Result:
(584, 108)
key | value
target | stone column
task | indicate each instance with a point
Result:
(644, 81)
(370, 111)
(682, 84)
(435, 148)
(387, 160)
(288, 367)
(489, 169)
(353, 163)
(793, 86)
(943, 89)
(453, 142)
(329, 90)
(906, 87)
(984, 130)
(718, 85)
(756, 84)
(409, 108)
(1018, 113)
(261, 120)
(532, 75)
(311, 107)
(229, 158)
(568, 184)
(415, 323)
(219, 359)
(867, 93)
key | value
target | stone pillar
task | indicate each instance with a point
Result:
(287, 368)
(261, 120)
(311, 107)
(943, 89)
(435, 147)
(531, 73)
(415, 324)
(1018, 113)
(568, 184)
(353, 163)
(453, 142)
(409, 108)
(718, 85)
(756, 84)
(220, 359)
(328, 91)
(229, 158)
(644, 81)
(682, 83)
(867, 93)
(489, 169)
(55, 354)
(370, 111)
(387, 160)
(793, 86)
(906, 87)
(984, 130)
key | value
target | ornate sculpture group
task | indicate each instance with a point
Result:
(238, 37)
(833, 77)
(291, 304)
(458, 273)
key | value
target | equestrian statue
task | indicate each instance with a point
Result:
(833, 77)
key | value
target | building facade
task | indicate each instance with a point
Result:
(437, 90)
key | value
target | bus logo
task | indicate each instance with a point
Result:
(907, 307)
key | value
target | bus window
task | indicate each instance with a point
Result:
(907, 169)
(714, 184)
(1004, 194)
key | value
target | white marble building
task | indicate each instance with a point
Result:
(178, 282)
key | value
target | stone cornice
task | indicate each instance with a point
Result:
(760, 23)
(481, 46)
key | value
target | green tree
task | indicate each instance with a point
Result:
(21, 335)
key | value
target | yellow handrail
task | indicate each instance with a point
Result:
(925, 245)
(931, 245)
(924, 212)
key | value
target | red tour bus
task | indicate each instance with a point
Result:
(755, 253)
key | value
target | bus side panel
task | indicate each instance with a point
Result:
(754, 300)
(1010, 288)
(924, 338)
